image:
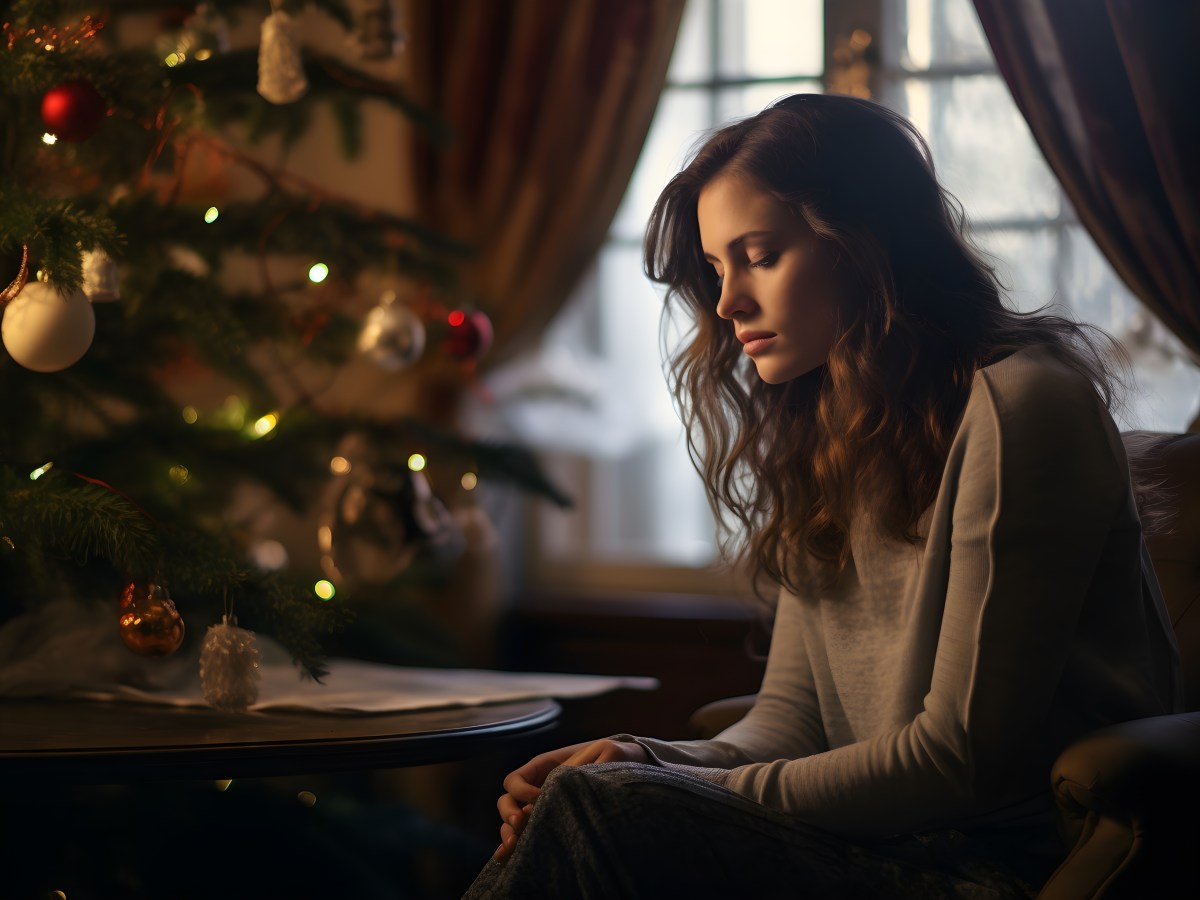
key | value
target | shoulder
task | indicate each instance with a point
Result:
(1034, 406)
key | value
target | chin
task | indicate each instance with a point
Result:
(781, 374)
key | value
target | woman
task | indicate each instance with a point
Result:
(935, 485)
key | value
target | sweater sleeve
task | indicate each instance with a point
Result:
(785, 721)
(1038, 484)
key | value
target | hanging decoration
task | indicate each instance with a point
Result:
(281, 77)
(101, 283)
(377, 514)
(470, 334)
(74, 110)
(149, 623)
(14, 287)
(393, 336)
(376, 34)
(229, 670)
(45, 331)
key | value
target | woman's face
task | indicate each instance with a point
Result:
(777, 281)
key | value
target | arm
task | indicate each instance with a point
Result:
(785, 721)
(1038, 487)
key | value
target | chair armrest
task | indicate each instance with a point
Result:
(713, 718)
(1128, 798)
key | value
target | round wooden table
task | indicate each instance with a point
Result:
(107, 742)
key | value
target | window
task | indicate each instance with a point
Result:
(595, 398)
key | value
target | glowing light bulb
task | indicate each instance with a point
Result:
(211, 214)
(324, 589)
(49, 138)
(266, 424)
(456, 318)
(180, 474)
(190, 415)
(339, 465)
(469, 480)
(172, 60)
(318, 272)
(40, 471)
(417, 462)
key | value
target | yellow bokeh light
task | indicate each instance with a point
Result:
(417, 462)
(202, 55)
(211, 214)
(318, 272)
(49, 138)
(40, 471)
(266, 424)
(180, 474)
(172, 60)
(324, 589)
(469, 480)
(339, 465)
(190, 415)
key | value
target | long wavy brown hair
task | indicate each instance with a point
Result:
(785, 465)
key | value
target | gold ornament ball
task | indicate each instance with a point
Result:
(149, 623)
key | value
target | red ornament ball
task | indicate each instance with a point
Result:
(74, 110)
(470, 334)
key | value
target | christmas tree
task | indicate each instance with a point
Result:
(172, 304)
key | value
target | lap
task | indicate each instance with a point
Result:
(634, 830)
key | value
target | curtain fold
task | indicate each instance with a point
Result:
(1108, 89)
(550, 103)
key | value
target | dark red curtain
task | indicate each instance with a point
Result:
(1109, 88)
(550, 102)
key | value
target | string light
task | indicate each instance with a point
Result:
(211, 214)
(41, 470)
(339, 465)
(49, 138)
(469, 480)
(324, 589)
(416, 462)
(318, 272)
(266, 424)
(173, 60)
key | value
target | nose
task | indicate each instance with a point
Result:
(734, 300)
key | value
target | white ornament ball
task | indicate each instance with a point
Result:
(393, 336)
(229, 666)
(45, 331)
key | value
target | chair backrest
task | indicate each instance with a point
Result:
(1172, 521)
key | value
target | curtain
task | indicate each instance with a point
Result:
(1109, 90)
(550, 103)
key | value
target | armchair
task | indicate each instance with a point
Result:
(1129, 795)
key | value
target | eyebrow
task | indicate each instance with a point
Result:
(739, 240)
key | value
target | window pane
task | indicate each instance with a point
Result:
(737, 102)
(771, 38)
(981, 146)
(692, 57)
(683, 116)
(1026, 262)
(939, 33)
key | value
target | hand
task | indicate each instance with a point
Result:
(523, 785)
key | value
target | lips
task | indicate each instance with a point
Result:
(755, 342)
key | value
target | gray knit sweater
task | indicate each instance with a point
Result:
(936, 684)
